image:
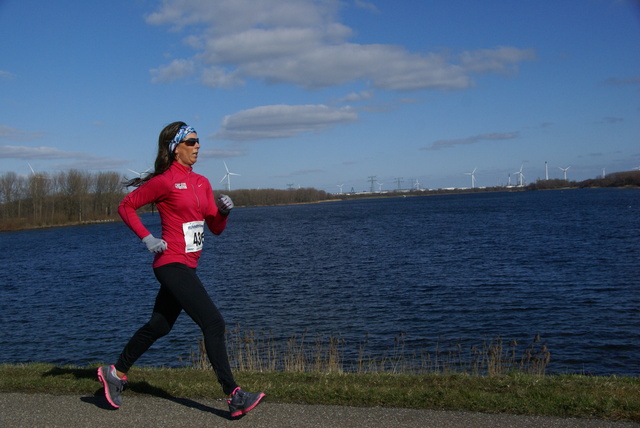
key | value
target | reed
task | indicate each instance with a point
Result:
(319, 353)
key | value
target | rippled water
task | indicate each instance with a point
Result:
(464, 268)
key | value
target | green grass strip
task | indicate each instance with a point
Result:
(614, 398)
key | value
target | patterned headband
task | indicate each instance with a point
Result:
(183, 132)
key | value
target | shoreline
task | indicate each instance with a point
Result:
(348, 197)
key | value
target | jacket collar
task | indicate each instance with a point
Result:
(177, 166)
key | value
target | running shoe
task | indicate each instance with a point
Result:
(241, 402)
(113, 385)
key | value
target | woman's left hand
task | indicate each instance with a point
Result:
(224, 204)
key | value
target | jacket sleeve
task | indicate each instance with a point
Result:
(216, 222)
(151, 191)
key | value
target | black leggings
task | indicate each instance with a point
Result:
(180, 288)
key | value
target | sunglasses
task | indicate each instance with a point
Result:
(191, 141)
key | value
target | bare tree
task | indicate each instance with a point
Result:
(107, 193)
(58, 198)
(37, 190)
(9, 189)
(75, 186)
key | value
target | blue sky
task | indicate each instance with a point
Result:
(325, 93)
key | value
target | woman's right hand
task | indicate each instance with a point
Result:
(153, 244)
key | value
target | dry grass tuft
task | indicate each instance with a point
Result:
(261, 352)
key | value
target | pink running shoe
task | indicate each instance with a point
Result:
(113, 385)
(242, 402)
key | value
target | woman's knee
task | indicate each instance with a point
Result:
(158, 326)
(214, 327)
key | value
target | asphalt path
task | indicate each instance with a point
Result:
(70, 411)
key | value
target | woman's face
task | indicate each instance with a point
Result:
(187, 151)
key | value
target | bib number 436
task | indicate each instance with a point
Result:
(198, 239)
(193, 236)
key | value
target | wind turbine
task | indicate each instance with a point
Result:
(379, 187)
(564, 170)
(520, 176)
(140, 174)
(417, 184)
(227, 176)
(37, 174)
(340, 186)
(546, 171)
(473, 177)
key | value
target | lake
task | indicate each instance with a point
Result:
(462, 268)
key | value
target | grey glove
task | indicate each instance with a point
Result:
(154, 245)
(224, 204)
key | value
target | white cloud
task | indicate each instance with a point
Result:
(610, 119)
(13, 134)
(255, 45)
(218, 77)
(301, 42)
(219, 153)
(228, 16)
(177, 69)
(385, 67)
(27, 153)
(615, 81)
(42, 152)
(367, 6)
(282, 121)
(500, 60)
(82, 160)
(7, 75)
(401, 71)
(356, 96)
(443, 144)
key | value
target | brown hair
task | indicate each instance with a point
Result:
(164, 159)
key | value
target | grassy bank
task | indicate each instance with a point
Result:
(615, 398)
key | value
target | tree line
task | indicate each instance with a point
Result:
(264, 197)
(615, 179)
(73, 196)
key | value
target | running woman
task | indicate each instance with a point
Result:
(186, 203)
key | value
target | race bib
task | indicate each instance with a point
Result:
(193, 236)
